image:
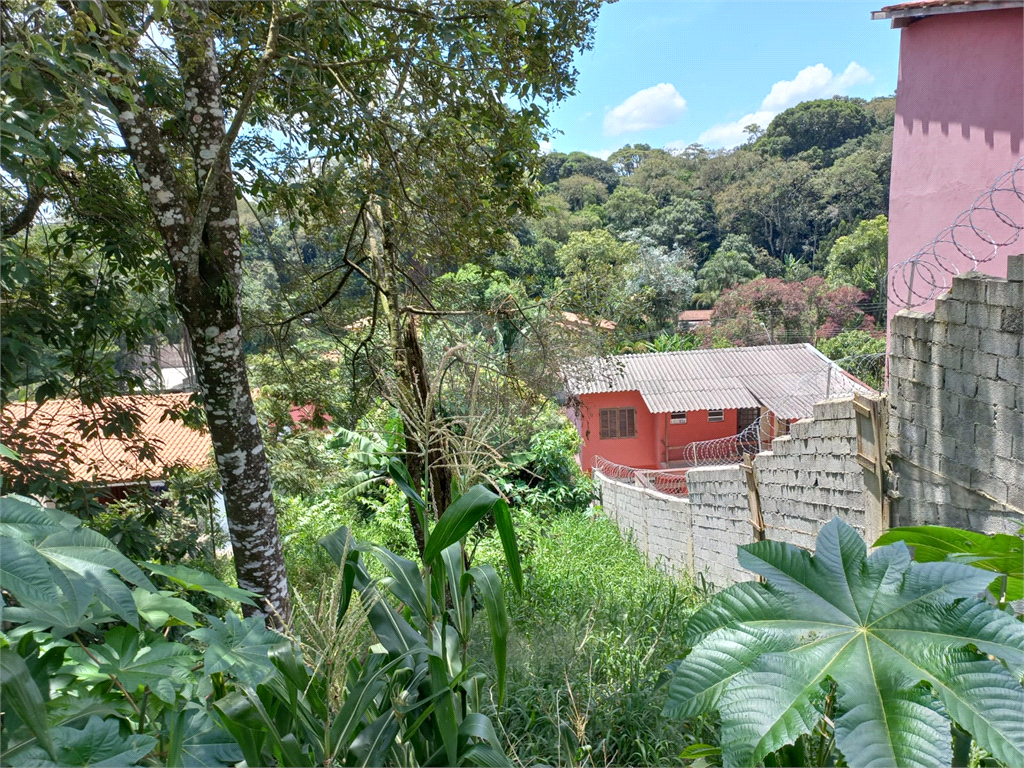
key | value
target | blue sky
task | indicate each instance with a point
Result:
(674, 72)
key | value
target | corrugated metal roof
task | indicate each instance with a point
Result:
(788, 379)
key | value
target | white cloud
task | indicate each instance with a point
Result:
(545, 147)
(653, 107)
(604, 154)
(815, 82)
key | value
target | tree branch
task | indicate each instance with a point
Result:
(36, 197)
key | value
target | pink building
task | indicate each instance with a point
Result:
(959, 126)
(645, 411)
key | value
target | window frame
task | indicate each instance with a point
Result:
(612, 422)
(674, 417)
(716, 414)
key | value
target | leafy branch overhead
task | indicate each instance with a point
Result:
(909, 646)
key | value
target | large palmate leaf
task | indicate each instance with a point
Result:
(195, 580)
(136, 660)
(98, 745)
(239, 646)
(48, 559)
(909, 646)
(1000, 553)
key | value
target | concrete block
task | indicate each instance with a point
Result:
(977, 411)
(963, 336)
(1011, 320)
(950, 356)
(1000, 344)
(964, 384)
(982, 316)
(995, 442)
(1011, 369)
(921, 349)
(988, 484)
(970, 287)
(1015, 268)
(950, 310)
(1003, 293)
(1009, 422)
(981, 364)
(955, 470)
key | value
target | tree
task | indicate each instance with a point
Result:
(731, 265)
(774, 206)
(662, 175)
(684, 223)
(582, 164)
(771, 311)
(861, 259)
(581, 191)
(663, 274)
(330, 80)
(594, 285)
(626, 160)
(824, 123)
(629, 208)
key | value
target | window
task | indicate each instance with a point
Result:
(678, 417)
(718, 415)
(618, 422)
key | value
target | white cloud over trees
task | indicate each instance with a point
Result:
(814, 82)
(653, 107)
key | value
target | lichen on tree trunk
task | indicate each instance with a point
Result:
(199, 225)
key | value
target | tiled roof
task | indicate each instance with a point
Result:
(933, 7)
(788, 379)
(59, 423)
(696, 316)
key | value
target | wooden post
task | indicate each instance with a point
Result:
(753, 498)
(871, 456)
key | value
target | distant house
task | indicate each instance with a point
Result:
(644, 410)
(69, 436)
(168, 368)
(959, 126)
(693, 318)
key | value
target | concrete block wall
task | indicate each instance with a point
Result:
(658, 524)
(956, 421)
(812, 475)
(720, 518)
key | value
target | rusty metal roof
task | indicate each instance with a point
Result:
(787, 379)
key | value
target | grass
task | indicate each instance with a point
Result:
(593, 634)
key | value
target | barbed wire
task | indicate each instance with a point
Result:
(751, 440)
(976, 235)
(759, 434)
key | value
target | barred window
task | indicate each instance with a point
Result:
(718, 415)
(618, 422)
(678, 417)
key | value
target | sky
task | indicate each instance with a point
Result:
(673, 72)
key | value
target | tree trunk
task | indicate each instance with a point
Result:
(206, 254)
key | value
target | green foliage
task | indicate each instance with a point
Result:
(890, 651)
(581, 191)
(823, 124)
(588, 648)
(860, 353)
(861, 259)
(593, 263)
(730, 265)
(629, 208)
(1000, 553)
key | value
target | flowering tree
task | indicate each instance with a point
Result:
(771, 311)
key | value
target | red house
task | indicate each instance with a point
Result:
(645, 411)
(959, 126)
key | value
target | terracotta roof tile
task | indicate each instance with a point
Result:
(58, 424)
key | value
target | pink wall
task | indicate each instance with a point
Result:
(647, 449)
(959, 125)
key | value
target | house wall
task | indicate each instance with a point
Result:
(809, 477)
(640, 451)
(959, 125)
(697, 427)
(954, 444)
(647, 449)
